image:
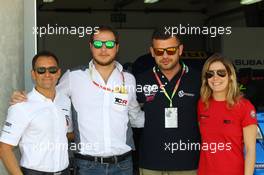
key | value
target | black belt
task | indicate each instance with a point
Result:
(102, 160)
(27, 171)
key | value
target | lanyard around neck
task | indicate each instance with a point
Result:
(175, 88)
(117, 89)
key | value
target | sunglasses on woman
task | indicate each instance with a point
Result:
(169, 50)
(210, 73)
(108, 44)
(51, 70)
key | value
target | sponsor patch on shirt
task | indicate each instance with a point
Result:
(150, 98)
(120, 101)
(227, 121)
(253, 114)
(67, 120)
(181, 93)
(8, 124)
(6, 131)
(150, 92)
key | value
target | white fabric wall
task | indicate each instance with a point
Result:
(11, 54)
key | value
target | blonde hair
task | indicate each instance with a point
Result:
(233, 93)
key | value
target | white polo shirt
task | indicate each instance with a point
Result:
(39, 126)
(101, 120)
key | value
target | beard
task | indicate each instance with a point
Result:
(104, 63)
(171, 66)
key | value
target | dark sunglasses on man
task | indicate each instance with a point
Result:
(51, 70)
(108, 44)
(210, 73)
(169, 50)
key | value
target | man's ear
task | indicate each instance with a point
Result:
(180, 49)
(152, 51)
(90, 45)
(33, 75)
(59, 72)
(117, 47)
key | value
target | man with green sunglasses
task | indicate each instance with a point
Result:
(104, 98)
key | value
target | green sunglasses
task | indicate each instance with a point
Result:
(108, 44)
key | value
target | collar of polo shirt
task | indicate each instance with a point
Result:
(117, 65)
(42, 97)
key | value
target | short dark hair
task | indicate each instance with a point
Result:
(44, 53)
(161, 34)
(105, 28)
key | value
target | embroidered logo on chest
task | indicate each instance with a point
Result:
(150, 91)
(120, 101)
(181, 93)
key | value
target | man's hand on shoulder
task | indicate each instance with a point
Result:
(18, 97)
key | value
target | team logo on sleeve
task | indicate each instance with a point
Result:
(8, 124)
(253, 114)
